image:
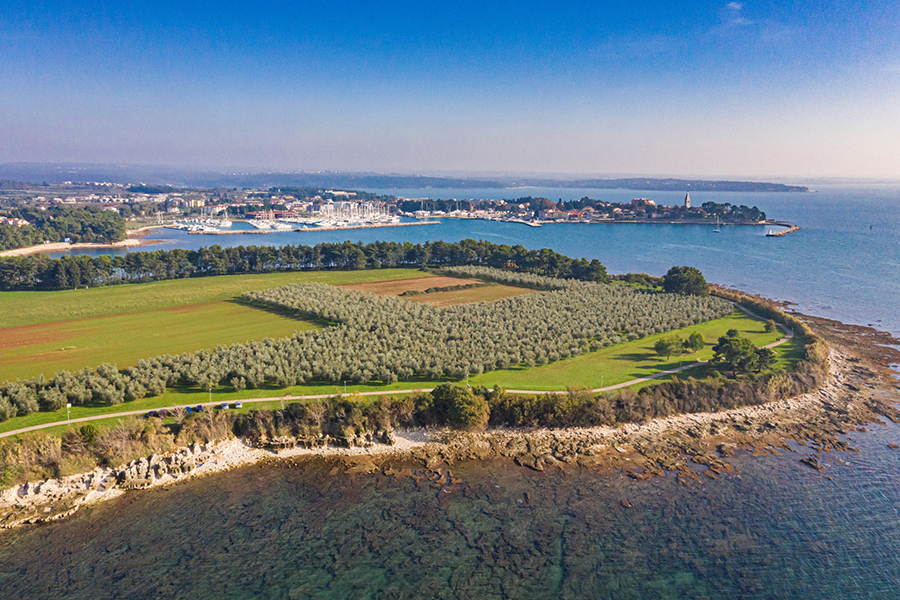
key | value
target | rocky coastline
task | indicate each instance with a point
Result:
(860, 391)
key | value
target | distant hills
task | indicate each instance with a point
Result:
(168, 176)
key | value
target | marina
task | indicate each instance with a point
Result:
(210, 231)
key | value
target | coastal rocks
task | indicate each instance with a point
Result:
(41, 501)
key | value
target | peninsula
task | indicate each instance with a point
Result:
(430, 348)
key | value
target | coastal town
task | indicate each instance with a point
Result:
(284, 209)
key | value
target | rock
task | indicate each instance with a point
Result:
(531, 461)
(812, 461)
(694, 432)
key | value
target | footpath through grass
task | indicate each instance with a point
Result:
(612, 365)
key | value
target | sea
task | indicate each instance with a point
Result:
(301, 529)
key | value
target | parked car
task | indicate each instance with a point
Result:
(198, 408)
(163, 413)
(188, 409)
(152, 414)
(224, 406)
(239, 404)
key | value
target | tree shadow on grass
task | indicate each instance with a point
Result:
(633, 356)
(283, 312)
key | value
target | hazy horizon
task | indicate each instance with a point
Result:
(736, 90)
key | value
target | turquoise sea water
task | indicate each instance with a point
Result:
(777, 530)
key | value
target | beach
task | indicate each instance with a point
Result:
(131, 242)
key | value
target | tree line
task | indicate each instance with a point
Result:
(38, 272)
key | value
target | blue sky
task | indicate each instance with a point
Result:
(753, 89)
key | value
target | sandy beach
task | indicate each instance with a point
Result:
(131, 242)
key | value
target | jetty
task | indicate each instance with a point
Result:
(790, 229)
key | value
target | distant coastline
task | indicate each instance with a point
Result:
(58, 173)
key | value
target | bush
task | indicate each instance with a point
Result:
(459, 407)
(89, 433)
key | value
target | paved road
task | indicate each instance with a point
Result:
(789, 334)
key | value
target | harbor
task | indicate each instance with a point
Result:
(210, 231)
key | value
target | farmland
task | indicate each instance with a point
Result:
(29, 308)
(395, 287)
(185, 315)
(483, 293)
(46, 332)
(124, 339)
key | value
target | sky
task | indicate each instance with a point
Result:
(752, 89)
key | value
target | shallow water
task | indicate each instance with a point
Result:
(777, 530)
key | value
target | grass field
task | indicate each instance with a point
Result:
(124, 339)
(30, 308)
(488, 293)
(612, 365)
(624, 362)
(46, 332)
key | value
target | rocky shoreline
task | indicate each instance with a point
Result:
(860, 391)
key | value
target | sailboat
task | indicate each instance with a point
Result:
(717, 230)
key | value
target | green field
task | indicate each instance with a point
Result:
(29, 308)
(612, 365)
(124, 339)
(624, 362)
(46, 332)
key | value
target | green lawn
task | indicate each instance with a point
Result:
(124, 339)
(788, 354)
(624, 362)
(29, 308)
(46, 332)
(616, 364)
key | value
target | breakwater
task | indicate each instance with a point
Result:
(790, 229)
